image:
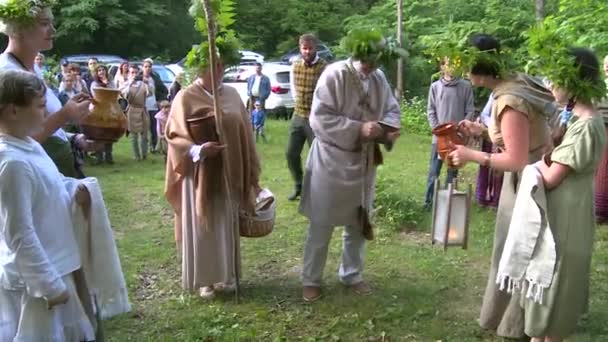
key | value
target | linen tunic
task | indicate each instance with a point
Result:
(571, 218)
(336, 170)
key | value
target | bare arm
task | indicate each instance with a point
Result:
(515, 133)
(552, 175)
(51, 124)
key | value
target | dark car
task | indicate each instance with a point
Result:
(83, 59)
(294, 54)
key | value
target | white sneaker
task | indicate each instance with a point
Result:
(207, 292)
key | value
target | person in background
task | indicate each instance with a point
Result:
(489, 181)
(304, 75)
(258, 87)
(79, 84)
(89, 76)
(151, 101)
(161, 122)
(258, 118)
(65, 70)
(176, 85)
(39, 66)
(601, 177)
(450, 100)
(64, 96)
(101, 81)
(68, 91)
(122, 75)
(138, 121)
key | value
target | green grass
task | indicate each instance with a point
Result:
(421, 293)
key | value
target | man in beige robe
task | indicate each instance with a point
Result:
(206, 214)
(350, 99)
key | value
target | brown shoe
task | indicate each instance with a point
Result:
(361, 289)
(311, 293)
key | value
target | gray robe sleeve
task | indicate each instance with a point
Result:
(430, 108)
(392, 110)
(327, 120)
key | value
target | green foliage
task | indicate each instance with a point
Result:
(550, 58)
(372, 47)
(413, 116)
(23, 11)
(127, 28)
(226, 43)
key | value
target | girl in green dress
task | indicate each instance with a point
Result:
(568, 181)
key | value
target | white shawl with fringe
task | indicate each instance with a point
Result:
(529, 254)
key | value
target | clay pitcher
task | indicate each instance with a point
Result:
(106, 120)
(447, 136)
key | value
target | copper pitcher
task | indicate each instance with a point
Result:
(447, 137)
(106, 120)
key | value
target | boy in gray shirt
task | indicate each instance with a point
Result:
(450, 100)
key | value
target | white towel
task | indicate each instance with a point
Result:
(100, 261)
(529, 254)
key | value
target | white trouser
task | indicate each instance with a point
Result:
(315, 254)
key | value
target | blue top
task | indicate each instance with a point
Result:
(264, 90)
(258, 117)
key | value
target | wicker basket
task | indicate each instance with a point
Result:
(259, 225)
(252, 227)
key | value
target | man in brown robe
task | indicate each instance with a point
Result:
(197, 179)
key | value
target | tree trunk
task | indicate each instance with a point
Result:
(540, 9)
(399, 89)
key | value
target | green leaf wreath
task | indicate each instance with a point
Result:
(454, 46)
(372, 47)
(23, 11)
(227, 44)
(550, 58)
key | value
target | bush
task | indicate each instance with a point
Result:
(394, 208)
(414, 118)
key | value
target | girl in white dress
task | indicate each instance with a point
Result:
(38, 251)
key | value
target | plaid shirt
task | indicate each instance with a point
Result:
(305, 80)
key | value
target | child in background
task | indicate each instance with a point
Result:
(258, 117)
(161, 122)
(37, 246)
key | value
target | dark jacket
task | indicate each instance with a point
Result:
(175, 88)
(160, 91)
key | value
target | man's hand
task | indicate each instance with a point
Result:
(61, 299)
(371, 130)
(211, 149)
(88, 145)
(470, 128)
(77, 107)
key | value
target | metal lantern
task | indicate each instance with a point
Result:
(450, 220)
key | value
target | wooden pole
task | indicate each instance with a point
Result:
(399, 89)
(211, 28)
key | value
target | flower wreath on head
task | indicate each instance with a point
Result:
(23, 11)
(226, 42)
(370, 46)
